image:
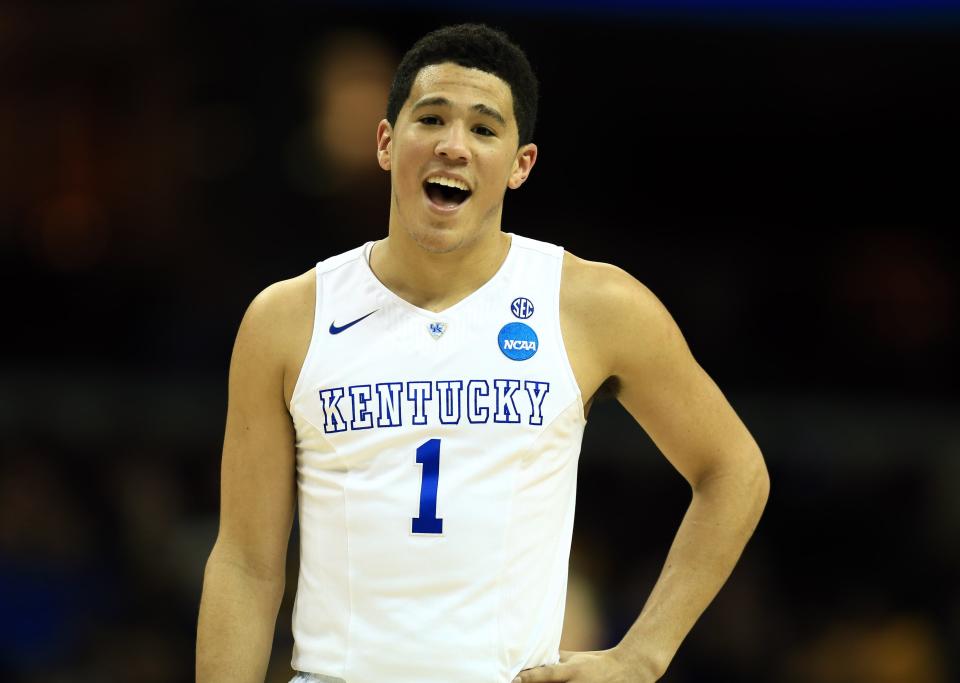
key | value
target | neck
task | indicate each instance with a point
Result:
(436, 281)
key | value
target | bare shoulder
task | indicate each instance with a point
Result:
(612, 311)
(286, 298)
(281, 307)
(609, 321)
(278, 324)
(600, 290)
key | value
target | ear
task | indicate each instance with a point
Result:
(522, 165)
(384, 144)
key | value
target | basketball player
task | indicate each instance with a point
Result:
(422, 399)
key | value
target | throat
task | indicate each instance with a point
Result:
(435, 281)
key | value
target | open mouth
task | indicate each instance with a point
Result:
(445, 194)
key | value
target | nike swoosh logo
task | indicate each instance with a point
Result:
(337, 330)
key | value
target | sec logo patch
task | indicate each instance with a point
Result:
(522, 307)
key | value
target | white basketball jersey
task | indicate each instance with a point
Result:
(436, 471)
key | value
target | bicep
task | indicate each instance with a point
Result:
(671, 396)
(258, 484)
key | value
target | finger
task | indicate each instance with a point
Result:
(565, 655)
(543, 674)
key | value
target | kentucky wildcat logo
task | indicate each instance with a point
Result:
(393, 404)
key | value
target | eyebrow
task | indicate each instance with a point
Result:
(444, 102)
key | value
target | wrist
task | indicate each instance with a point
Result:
(640, 661)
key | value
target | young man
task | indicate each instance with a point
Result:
(423, 398)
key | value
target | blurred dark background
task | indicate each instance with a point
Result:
(783, 178)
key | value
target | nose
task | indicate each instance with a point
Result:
(453, 144)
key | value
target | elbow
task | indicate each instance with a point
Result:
(758, 484)
(264, 568)
(742, 486)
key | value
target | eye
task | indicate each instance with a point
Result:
(430, 120)
(484, 131)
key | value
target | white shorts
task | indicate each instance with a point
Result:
(303, 677)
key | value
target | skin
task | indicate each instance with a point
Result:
(433, 259)
(613, 327)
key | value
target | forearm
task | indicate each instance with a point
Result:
(721, 518)
(238, 614)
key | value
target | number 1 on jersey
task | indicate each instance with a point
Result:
(428, 455)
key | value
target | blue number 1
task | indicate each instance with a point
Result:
(428, 455)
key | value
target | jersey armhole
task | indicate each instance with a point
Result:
(314, 335)
(571, 377)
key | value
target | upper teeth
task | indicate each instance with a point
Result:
(449, 182)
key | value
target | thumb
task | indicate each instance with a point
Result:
(555, 673)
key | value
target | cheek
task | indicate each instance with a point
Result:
(411, 158)
(495, 169)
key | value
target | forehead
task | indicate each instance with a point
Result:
(463, 87)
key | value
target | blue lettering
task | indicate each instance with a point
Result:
(419, 393)
(332, 417)
(537, 391)
(506, 408)
(361, 395)
(390, 393)
(448, 395)
(476, 413)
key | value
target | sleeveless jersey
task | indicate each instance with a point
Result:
(436, 474)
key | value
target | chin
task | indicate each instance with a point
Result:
(438, 240)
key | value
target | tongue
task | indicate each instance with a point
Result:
(444, 199)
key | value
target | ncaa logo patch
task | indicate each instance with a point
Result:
(517, 341)
(522, 307)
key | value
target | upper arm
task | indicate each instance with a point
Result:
(258, 471)
(659, 381)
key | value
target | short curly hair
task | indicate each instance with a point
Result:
(474, 46)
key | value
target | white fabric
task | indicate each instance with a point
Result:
(376, 602)
(302, 677)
